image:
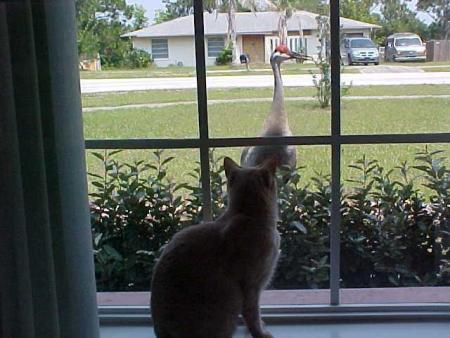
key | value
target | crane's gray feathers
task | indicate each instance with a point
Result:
(276, 123)
(254, 156)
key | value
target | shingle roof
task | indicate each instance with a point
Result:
(246, 23)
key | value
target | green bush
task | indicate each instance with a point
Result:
(137, 58)
(391, 234)
(225, 57)
(134, 213)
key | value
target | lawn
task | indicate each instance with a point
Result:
(155, 96)
(255, 69)
(437, 69)
(245, 119)
(175, 71)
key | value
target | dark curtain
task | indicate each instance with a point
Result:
(47, 285)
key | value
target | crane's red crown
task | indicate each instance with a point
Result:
(282, 49)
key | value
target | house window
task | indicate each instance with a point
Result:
(215, 46)
(160, 49)
(336, 140)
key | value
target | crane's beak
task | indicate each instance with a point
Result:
(299, 56)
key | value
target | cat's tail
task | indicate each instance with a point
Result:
(162, 333)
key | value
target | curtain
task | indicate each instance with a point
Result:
(47, 283)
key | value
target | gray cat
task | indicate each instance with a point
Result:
(210, 273)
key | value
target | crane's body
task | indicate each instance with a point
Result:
(276, 123)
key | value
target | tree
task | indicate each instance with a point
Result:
(397, 17)
(315, 6)
(360, 10)
(139, 19)
(231, 7)
(178, 8)
(440, 11)
(287, 8)
(100, 25)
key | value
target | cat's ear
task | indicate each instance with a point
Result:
(271, 165)
(229, 165)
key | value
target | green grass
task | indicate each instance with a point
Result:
(255, 69)
(437, 69)
(155, 96)
(245, 119)
(175, 71)
(138, 73)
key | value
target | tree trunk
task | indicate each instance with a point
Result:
(282, 28)
(231, 34)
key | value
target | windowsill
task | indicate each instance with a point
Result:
(292, 307)
(399, 295)
(419, 329)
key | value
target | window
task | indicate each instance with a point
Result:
(215, 46)
(348, 138)
(160, 49)
(362, 43)
(403, 42)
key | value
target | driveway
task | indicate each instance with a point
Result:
(390, 69)
(375, 79)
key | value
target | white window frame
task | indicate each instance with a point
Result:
(160, 42)
(335, 140)
(211, 41)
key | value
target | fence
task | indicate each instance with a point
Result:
(438, 50)
(90, 62)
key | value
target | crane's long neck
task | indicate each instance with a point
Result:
(277, 121)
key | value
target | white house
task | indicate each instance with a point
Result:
(172, 42)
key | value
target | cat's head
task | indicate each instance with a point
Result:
(251, 189)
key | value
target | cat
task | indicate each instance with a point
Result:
(210, 273)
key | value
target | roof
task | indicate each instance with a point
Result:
(246, 23)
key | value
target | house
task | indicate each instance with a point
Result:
(172, 42)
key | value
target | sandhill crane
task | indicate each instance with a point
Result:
(276, 123)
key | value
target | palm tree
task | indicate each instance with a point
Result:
(231, 7)
(286, 11)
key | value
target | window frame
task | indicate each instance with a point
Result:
(209, 38)
(167, 46)
(335, 140)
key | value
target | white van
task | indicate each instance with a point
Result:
(404, 47)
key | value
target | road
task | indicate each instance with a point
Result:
(375, 79)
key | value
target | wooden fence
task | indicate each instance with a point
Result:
(90, 62)
(438, 50)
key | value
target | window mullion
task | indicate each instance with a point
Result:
(335, 153)
(202, 108)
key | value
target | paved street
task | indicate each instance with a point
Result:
(388, 78)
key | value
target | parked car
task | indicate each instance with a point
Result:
(359, 50)
(405, 47)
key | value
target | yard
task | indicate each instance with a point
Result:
(233, 118)
(255, 69)
(176, 71)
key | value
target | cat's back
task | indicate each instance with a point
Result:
(191, 290)
(192, 249)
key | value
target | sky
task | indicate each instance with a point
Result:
(153, 5)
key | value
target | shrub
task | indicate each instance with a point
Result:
(134, 213)
(391, 233)
(225, 57)
(137, 58)
(322, 79)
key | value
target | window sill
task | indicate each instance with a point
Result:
(298, 306)
(342, 330)
(309, 297)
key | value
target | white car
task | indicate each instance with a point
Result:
(405, 47)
